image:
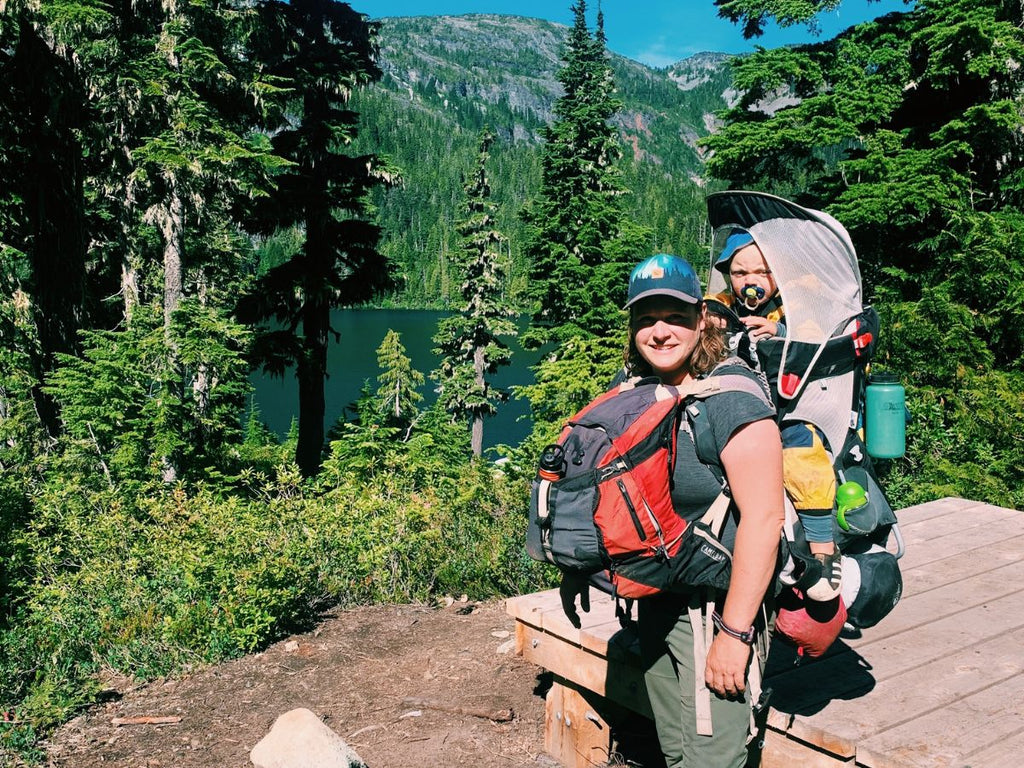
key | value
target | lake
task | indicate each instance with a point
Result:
(353, 360)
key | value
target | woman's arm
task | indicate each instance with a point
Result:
(752, 460)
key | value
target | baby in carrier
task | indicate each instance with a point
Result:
(752, 306)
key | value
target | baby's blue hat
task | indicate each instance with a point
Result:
(664, 275)
(738, 238)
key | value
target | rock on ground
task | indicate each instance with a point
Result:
(299, 739)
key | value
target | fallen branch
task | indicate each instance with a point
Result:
(146, 720)
(498, 715)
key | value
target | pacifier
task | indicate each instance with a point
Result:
(752, 295)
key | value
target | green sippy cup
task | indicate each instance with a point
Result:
(849, 496)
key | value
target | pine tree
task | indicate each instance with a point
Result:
(578, 243)
(470, 343)
(323, 50)
(395, 402)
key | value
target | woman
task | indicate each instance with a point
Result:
(670, 338)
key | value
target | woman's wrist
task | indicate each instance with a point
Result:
(743, 635)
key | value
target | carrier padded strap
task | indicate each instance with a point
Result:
(714, 518)
(697, 611)
(813, 361)
(700, 429)
(701, 389)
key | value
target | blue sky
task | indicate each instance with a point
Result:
(656, 32)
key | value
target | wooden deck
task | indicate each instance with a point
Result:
(937, 683)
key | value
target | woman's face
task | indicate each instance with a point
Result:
(666, 332)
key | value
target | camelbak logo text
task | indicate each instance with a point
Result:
(711, 552)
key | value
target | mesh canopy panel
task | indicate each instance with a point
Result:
(814, 264)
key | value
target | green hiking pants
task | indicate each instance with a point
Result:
(666, 646)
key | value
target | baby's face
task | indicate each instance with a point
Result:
(751, 280)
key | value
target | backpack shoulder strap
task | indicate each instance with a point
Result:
(717, 382)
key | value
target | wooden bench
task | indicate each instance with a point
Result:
(937, 683)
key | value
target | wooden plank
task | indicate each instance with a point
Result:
(782, 752)
(575, 734)
(621, 682)
(597, 638)
(1002, 586)
(1005, 753)
(947, 571)
(946, 737)
(821, 739)
(964, 522)
(530, 608)
(939, 682)
(544, 610)
(937, 508)
(978, 540)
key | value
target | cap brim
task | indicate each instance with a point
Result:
(684, 297)
(740, 241)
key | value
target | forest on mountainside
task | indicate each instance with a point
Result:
(191, 189)
(446, 78)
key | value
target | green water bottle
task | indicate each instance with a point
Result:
(849, 497)
(885, 417)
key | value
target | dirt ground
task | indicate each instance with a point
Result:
(390, 680)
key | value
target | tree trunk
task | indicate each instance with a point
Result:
(312, 363)
(129, 290)
(172, 223)
(477, 436)
(311, 371)
(201, 383)
(47, 176)
(170, 218)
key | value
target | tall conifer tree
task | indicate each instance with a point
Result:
(579, 254)
(327, 51)
(470, 342)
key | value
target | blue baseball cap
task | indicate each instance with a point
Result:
(664, 275)
(738, 238)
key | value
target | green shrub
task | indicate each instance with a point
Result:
(149, 582)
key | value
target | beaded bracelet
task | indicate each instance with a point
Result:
(745, 637)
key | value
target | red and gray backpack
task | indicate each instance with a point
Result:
(602, 500)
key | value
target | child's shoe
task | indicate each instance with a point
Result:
(827, 586)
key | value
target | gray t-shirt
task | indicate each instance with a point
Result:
(695, 485)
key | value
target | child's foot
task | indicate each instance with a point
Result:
(827, 586)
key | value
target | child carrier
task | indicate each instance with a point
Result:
(817, 370)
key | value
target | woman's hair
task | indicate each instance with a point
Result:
(710, 351)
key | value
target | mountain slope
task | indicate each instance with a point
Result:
(446, 77)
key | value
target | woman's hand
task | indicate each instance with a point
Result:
(726, 669)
